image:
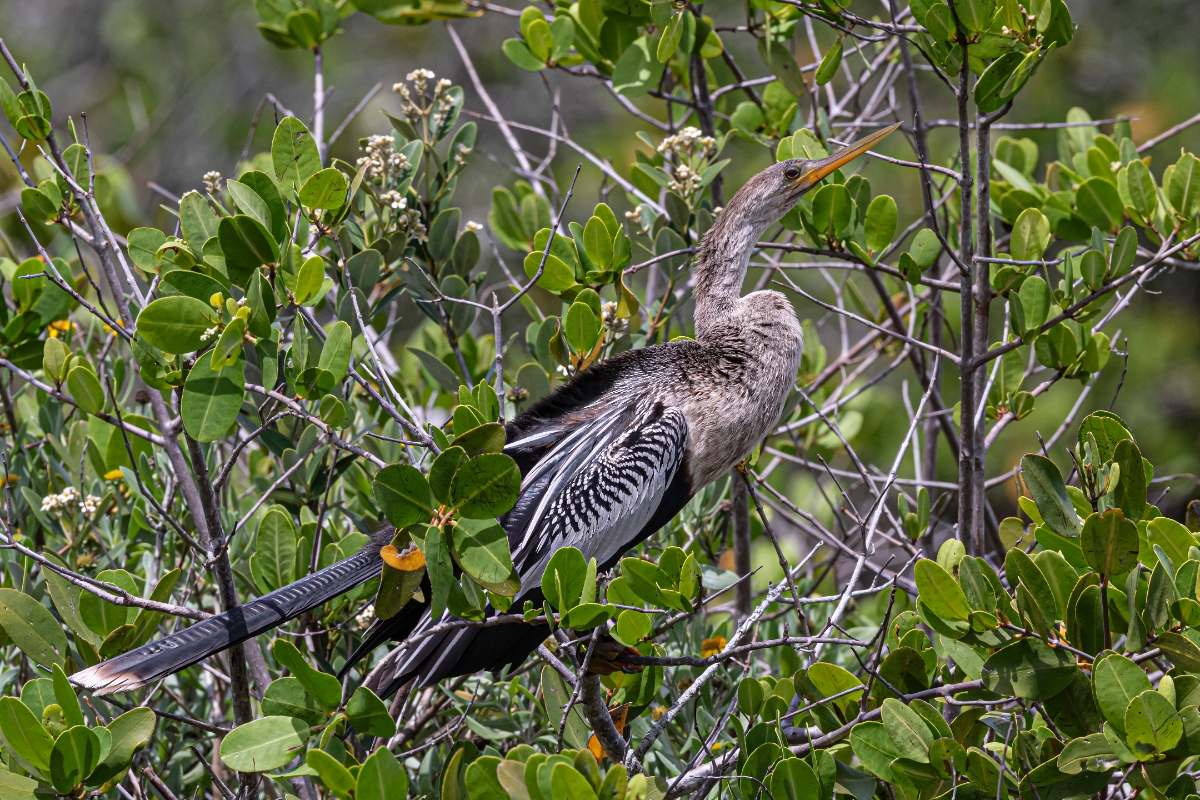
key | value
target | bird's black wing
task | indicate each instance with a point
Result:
(601, 487)
(597, 488)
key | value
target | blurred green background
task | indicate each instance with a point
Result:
(170, 89)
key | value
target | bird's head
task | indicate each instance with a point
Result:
(776, 189)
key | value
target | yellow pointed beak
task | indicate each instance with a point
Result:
(819, 169)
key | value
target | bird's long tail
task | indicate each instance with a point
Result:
(158, 659)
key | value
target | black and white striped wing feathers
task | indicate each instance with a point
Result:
(599, 487)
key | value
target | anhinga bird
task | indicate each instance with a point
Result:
(606, 460)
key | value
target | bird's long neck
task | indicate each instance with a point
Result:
(721, 264)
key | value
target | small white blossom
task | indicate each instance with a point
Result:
(394, 200)
(212, 182)
(208, 334)
(617, 326)
(91, 504)
(365, 617)
(473, 226)
(64, 499)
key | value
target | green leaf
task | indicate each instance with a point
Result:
(85, 388)
(994, 87)
(247, 245)
(632, 626)
(939, 591)
(368, 714)
(519, 54)
(910, 735)
(285, 697)
(381, 777)
(32, 628)
(309, 279)
(671, 34)
(175, 324)
(335, 356)
(874, 748)
(832, 210)
(1092, 268)
(581, 328)
(1172, 537)
(556, 275)
(1030, 235)
(638, 69)
(1028, 668)
(1151, 725)
(293, 155)
(566, 783)
(1183, 189)
(880, 223)
(324, 687)
(274, 561)
(480, 548)
(1130, 492)
(1110, 542)
(404, 495)
(127, 734)
(486, 486)
(228, 348)
(829, 63)
(1099, 204)
(1137, 189)
(1045, 483)
(556, 694)
(563, 578)
(443, 469)
(1092, 753)
(23, 735)
(17, 787)
(750, 696)
(1124, 252)
(1181, 650)
(212, 400)
(326, 189)
(76, 753)
(143, 244)
(1034, 299)
(1115, 682)
(264, 744)
(442, 233)
(198, 221)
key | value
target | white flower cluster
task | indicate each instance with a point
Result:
(64, 499)
(365, 617)
(212, 182)
(413, 101)
(472, 226)
(381, 159)
(687, 142)
(685, 149)
(409, 223)
(210, 333)
(394, 200)
(635, 218)
(615, 325)
(67, 498)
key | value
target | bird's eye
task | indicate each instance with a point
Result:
(792, 173)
